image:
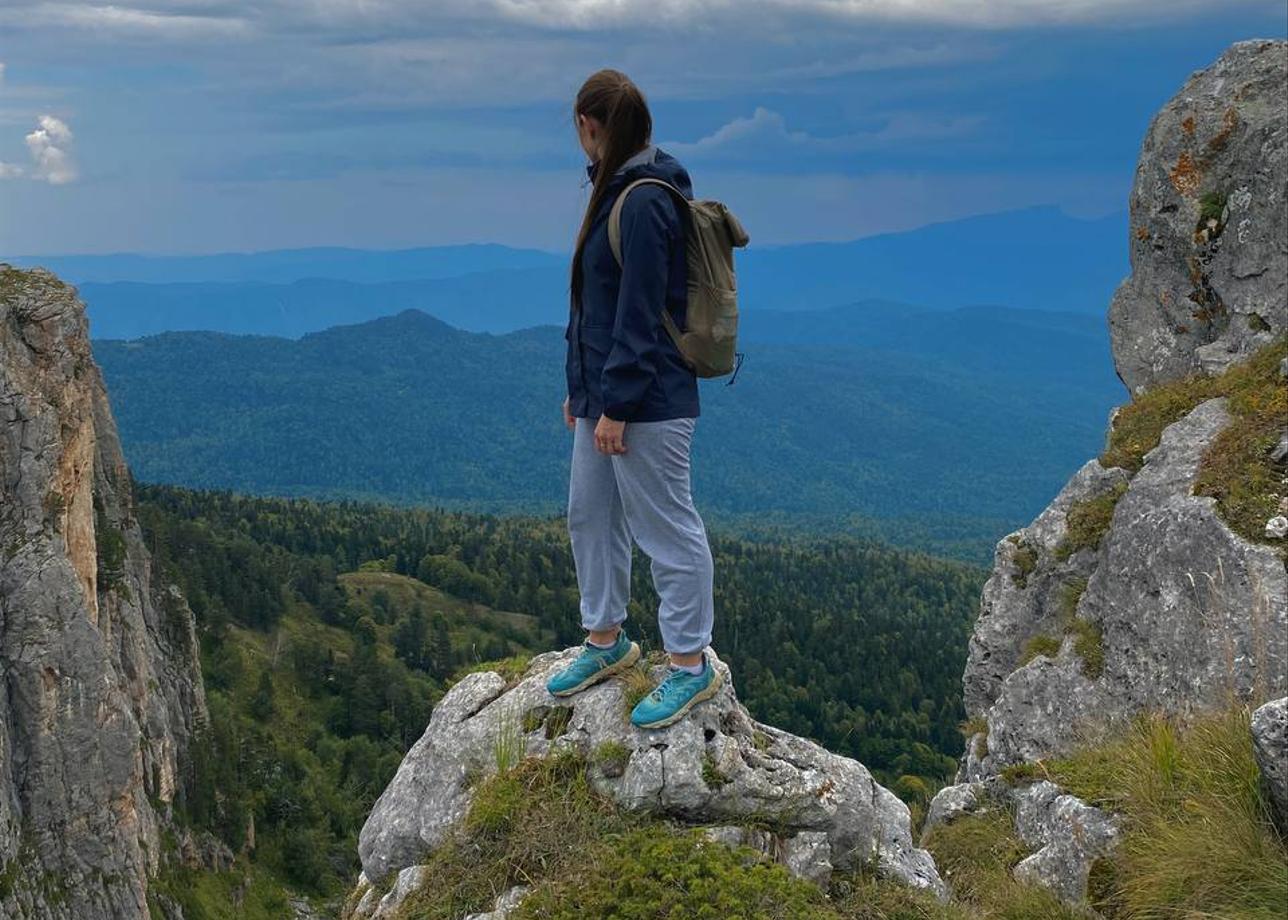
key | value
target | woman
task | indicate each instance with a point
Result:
(632, 404)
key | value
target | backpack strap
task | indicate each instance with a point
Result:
(615, 215)
(615, 239)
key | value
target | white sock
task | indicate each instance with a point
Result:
(694, 669)
(608, 646)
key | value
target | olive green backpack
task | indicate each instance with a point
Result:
(709, 340)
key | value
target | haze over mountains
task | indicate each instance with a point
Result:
(1037, 258)
(879, 393)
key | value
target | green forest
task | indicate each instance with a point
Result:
(920, 444)
(329, 630)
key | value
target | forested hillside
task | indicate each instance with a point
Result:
(329, 630)
(904, 422)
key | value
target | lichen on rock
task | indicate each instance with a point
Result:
(1209, 218)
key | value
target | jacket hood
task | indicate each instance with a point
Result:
(658, 165)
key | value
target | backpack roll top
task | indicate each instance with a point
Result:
(708, 342)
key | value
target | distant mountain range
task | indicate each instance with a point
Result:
(286, 265)
(945, 428)
(1035, 259)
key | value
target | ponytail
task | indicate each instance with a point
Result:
(617, 104)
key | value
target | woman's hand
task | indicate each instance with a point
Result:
(610, 436)
(568, 419)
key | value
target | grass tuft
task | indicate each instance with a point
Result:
(636, 684)
(1199, 840)
(1025, 559)
(1236, 469)
(1040, 646)
(611, 757)
(976, 854)
(1088, 521)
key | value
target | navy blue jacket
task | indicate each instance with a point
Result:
(621, 362)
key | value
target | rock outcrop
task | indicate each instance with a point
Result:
(1270, 743)
(101, 686)
(1164, 608)
(1209, 224)
(831, 812)
(1185, 613)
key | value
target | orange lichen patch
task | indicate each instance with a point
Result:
(1185, 175)
(1188, 124)
(1229, 121)
(1142, 233)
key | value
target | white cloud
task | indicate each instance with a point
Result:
(10, 170)
(354, 18)
(50, 148)
(765, 134)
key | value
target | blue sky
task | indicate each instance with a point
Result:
(210, 125)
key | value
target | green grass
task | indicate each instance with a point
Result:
(511, 669)
(711, 773)
(1025, 559)
(542, 825)
(1236, 469)
(1199, 841)
(1255, 392)
(1088, 644)
(1046, 646)
(244, 893)
(611, 757)
(1088, 521)
(976, 854)
(647, 875)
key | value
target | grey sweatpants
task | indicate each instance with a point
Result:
(642, 494)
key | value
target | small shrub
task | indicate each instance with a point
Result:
(861, 896)
(540, 820)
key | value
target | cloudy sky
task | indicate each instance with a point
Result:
(207, 125)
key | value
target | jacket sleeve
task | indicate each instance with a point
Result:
(649, 230)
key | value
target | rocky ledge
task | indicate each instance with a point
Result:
(716, 768)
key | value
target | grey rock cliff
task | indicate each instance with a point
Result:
(100, 686)
(1189, 613)
(833, 812)
(1209, 223)
(1170, 610)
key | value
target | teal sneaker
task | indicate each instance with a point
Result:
(675, 696)
(593, 665)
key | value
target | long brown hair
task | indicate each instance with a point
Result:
(609, 97)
